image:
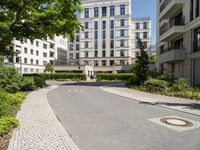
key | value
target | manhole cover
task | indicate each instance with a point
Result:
(176, 122)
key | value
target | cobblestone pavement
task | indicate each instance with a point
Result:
(180, 104)
(39, 128)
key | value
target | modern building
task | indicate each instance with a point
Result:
(33, 55)
(178, 45)
(108, 42)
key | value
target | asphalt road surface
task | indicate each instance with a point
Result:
(97, 120)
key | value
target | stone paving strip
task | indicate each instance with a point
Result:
(180, 104)
(39, 128)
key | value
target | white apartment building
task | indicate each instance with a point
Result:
(108, 42)
(178, 45)
(32, 56)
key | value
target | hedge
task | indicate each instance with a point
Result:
(118, 77)
(55, 76)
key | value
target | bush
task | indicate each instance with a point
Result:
(72, 76)
(7, 124)
(28, 84)
(180, 85)
(156, 85)
(39, 81)
(10, 80)
(116, 77)
(9, 101)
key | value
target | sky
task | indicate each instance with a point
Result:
(146, 8)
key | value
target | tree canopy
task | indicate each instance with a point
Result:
(36, 19)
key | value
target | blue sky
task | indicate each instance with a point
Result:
(146, 8)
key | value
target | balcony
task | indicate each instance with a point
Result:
(172, 29)
(170, 7)
(171, 55)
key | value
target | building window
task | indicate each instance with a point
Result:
(112, 10)
(71, 47)
(145, 25)
(25, 60)
(137, 35)
(103, 62)
(44, 54)
(103, 11)
(103, 44)
(122, 43)
(145, 35)
(197, 8)
(77, 47)
(37, 53)
(112, 34)
(86, 25)
(96, 25)
(96, 12)
(52, 46)
(137, 25)
(104, 53)
(145, 44)
(86, 35)
(32, 61)
(112, 44)
(37, 43)
(122, 22)
(77, 55)
(122, 62)
(191, 9)
(31, 51)
(111, 24)
(96, 63)
(104, 34)
(122, 53)
(122, 32)
(51, 54)
(112, 53)
(96, 34)
(25, 40)
(96, 44)
(86, 44)
(196, 45)
(86, 12)
(112, 62)
(122, 9)
(44, 62)
(95, 53)
(25, 50)
(45, 46)
(103, 24)
(71, 56)
(37, 62)
(77, 38)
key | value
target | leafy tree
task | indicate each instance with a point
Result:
(141, 64)
(48, 68)
(153, 59)
(36, 19)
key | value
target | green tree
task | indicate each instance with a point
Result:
(36, 19)
(153, 59)
(48, 68)
(141, 64)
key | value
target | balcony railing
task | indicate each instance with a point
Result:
(166, 26)
(162, 51)
(164, 4)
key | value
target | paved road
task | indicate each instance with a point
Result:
(97, 120)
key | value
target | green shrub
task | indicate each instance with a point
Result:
(10, 80)
(116, 77)
(7, 124)
(39, 81)
(28, 84)
(72, 76)
(180, 85)
(9, 101)
(156, 85)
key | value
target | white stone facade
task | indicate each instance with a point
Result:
(178, 35)
(109, 36)
(32, 56)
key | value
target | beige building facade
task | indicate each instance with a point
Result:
(178, 39)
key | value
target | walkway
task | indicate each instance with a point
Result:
(180, 104)
(39, 128)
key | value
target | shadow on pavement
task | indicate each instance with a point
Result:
(191, 106)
